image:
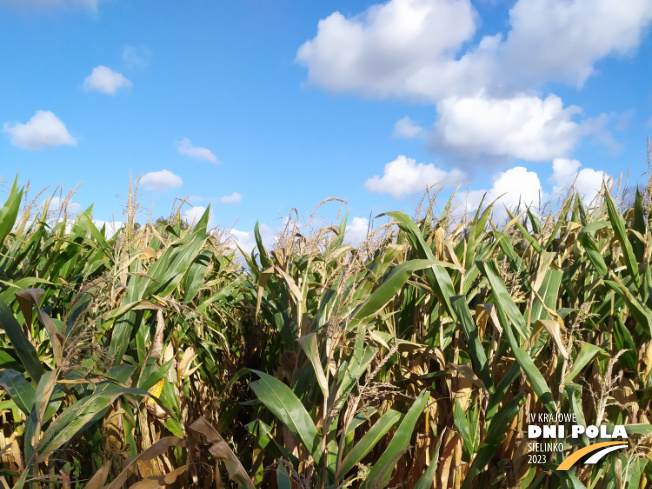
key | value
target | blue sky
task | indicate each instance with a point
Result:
(257, 107)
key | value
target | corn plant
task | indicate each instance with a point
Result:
(415, 359)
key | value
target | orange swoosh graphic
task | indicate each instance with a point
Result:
(571, 459)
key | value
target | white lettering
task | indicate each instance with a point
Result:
(533, 431)
(592, 431)
(619, 431)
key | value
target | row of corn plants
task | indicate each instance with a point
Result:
(156, 358)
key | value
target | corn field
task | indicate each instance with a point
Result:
(158, 358)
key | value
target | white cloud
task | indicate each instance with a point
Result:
(196, 199)
(587, 182)
(426, 50)
(111, 227)
(523, 187)
(57, 206)
(421, 49)
(389, 49)
(193, 215)
(552, 40)
(161, 180)
(407, 129)
(518, 185)
(404, 176)
(105, 80)
(44, 129)
(51, 4)
(246, 240)
(234, 198)
(356, 231)
(186, 148)
(136, 56)
(524, 127)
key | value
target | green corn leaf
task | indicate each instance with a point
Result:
(594, 254)
(437, 275)
(202, 224)
(381, 472)
(287, 407)
(24, 349)
(586, 354)
(463, 428)
(426, 480)
(310, 347)
(538, 382)
(494, 437)
(379, 429)
(9, 211)
(19, 389)
(524, 232)
(504, 302)
(637, 308)
(264, 258)
(75, 417)
(390, 287)
(618, 225)
(625, 344)
(476, 350)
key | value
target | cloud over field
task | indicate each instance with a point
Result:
(422, 49)
(356, 231)
(43, 130)
(521, 186)
(90, 5)
(566, 175)
(524, 126)
(406, 128)
(389, 49)
(193, 215)
(514, 186)
(234, 198)
(105, 80)
(59, 206)
(405, 176)
(428, 51)
(246, 239)
(136, 56)
(186, 148)
(160, 181)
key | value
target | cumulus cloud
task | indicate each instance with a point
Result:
(552, 40)
(161, 180)
(356, 231)
(566, 175)
(524, 127)
(389, 49)
(405, 176)
(105, 80)
(234, 198)
(52, 4)
(58, 206)
(428, 51)
(422, 49)
(516, 186)
(136, 56)
(193, 215)
(43, 130)
(406, 128)
(246, 240)
(186, 148)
